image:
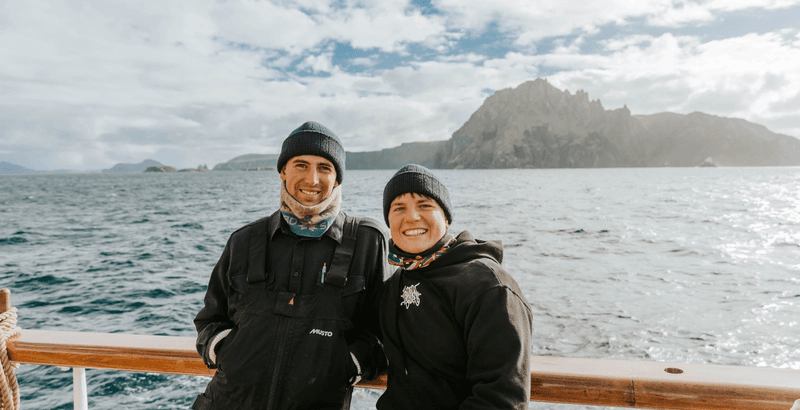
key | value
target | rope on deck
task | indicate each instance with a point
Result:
(9, 389)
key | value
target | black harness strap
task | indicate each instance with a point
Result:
(256, 268)
(340, 265)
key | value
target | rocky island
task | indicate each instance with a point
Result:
(160, 168)
(124, 168)
(200, 168)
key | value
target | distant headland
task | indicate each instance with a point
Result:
(536, 125)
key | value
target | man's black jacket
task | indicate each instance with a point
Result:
(291, 333)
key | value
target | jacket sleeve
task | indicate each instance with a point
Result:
(213, 317)
(365, 345)
(498, 339)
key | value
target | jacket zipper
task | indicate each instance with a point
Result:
(279, 358)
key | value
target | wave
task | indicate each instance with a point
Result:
(14, 240)
(190, 225)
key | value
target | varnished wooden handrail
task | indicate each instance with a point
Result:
(618, 383)
(119, 351)
(661, 385)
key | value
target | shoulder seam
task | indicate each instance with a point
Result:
(250, 225)
(500, 284)
(509, 290)
(370, 223)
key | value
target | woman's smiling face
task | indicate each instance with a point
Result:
(416, 222)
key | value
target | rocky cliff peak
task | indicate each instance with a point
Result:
(503, 130)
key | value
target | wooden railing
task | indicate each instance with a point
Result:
(602, 382)
(617, 383)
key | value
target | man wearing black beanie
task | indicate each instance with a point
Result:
(455, 325)
(287, 319)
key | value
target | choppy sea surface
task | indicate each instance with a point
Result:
(697, 265)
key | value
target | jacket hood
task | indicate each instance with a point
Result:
(467, 248)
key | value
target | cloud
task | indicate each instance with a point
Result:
(382, 24)
(744, 77)
(102, 82)
(685, 13)
(267, 25)
(532, 22)
(317, 63)
(385, 25)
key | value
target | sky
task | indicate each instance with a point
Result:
(88, 84)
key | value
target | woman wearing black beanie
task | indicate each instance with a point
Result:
(456, 327)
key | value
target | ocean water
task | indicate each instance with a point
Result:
(697, 265)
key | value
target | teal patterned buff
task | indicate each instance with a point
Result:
(310, 221)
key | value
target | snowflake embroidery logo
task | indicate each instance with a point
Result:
(410, 296)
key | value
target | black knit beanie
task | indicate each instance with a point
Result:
(313, 138)
(413, 178)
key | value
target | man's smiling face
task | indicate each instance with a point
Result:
(309, 179)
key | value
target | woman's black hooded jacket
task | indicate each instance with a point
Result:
(457, 333)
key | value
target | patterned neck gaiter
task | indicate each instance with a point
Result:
(411, 262)
(310, 221)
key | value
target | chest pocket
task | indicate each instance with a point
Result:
(249, 298)
(351, 293)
